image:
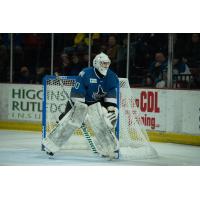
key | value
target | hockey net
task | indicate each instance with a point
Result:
(133, 138)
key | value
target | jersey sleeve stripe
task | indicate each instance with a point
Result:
(111, 100)
(74, 99)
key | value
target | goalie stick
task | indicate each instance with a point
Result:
(83, 127)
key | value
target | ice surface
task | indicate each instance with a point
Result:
(21, 148)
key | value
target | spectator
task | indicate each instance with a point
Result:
(76, 66)
(70, 66)
(148, 81)
(180, 67)
(24, 75)
(61, 63)
(75, 60)
(181, 73)
(65, 64)
(40, 73)
(80, 44)
(158, 69)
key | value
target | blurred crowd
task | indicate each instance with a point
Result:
(148, 57)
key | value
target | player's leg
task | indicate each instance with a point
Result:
(65, 128)
(105, 139)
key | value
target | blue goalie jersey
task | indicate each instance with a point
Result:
(90, 87)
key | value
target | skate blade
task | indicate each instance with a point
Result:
(50, 154)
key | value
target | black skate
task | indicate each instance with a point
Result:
(49, 153)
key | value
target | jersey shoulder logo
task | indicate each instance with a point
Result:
(93, 80)
(99, 94)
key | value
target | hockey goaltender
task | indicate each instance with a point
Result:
(92, 102)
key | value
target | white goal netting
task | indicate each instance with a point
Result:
(134, 141)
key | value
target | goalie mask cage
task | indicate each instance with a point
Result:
(133, 138)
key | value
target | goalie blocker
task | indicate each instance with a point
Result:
(101, 121)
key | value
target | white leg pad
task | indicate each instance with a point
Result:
(105, 138)
(66, 127)
(50, 145)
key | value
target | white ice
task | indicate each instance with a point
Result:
(19, 148)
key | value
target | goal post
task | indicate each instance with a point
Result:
(54, 100)
(133, 138)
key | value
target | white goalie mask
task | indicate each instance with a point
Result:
(102, 62)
